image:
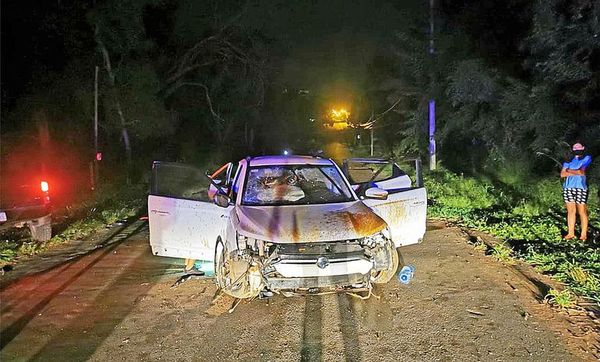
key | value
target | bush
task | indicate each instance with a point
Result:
(457, 192)
(540, 198)
(510, 171)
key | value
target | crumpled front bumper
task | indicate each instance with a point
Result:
(349, 281)
(336, 265)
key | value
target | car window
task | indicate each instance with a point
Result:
(234, 184)
(295, 185)
(179, 181)
(360, 172)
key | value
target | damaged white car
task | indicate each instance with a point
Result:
(288, 224)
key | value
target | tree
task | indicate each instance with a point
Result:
(121, 40)
(223, 64)
(564, 46)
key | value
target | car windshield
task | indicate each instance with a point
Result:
(295, 185)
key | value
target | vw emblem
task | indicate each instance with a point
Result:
(322, 262)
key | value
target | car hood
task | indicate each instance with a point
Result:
(308, 223)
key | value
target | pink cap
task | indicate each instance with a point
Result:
(578, 147)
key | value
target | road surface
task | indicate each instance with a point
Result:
(117, 303)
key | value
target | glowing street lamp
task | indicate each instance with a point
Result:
(339, 115)
(339, 119)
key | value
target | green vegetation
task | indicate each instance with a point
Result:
(78, 222)
(564, 299)
(529, 218)
(503, 253)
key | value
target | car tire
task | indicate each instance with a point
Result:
(222, 275)
(42, 232)
(218, 262)
(385, 276)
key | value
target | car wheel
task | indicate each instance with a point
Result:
(219, 263)
(384, 276)
(41, 232)
(237, 278)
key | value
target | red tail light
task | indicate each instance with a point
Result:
(44, 186)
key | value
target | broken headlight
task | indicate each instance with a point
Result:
(256, 245)
(375, 239)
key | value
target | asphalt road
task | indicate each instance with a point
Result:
(117, 303)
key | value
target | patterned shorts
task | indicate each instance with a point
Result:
(579, 196)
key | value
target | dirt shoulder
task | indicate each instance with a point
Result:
(117, 303)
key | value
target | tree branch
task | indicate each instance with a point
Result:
(208, 99)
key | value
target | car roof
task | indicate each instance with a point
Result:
(288, 160)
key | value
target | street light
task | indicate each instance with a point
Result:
(338, 119)
(339, 115)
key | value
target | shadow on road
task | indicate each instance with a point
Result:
(349, 328)
(108, 309)
(312, 345)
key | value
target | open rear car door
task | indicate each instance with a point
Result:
(183, 222)
(405, 209)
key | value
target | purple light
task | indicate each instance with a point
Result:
(431, 126)
(431, 117)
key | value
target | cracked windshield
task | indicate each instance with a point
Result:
(295, 185)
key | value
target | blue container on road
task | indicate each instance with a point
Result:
(406, 274)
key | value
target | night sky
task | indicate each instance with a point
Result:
(39, 37)
(326, 46)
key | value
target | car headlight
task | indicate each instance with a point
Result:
(386, 234)
(253, 244)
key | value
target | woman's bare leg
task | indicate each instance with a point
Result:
(189, 263)
(571, 215)
(583, 218)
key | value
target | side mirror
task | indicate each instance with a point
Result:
(221, 200)
(376, 193)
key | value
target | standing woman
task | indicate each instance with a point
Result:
(575, 190)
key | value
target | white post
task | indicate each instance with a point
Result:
(371, 140)
(96, 111)
(95, 170)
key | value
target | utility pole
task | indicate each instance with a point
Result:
(432, 148)
(96, 176)
(371, 141)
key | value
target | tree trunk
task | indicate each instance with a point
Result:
(124, 131)
(127, 144)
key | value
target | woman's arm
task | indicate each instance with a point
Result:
(580, 172)
(566, 172)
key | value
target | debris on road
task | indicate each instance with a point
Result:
(475, 312)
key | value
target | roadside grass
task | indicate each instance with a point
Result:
(530, 220)
(77, 222)
(562, 299)
(502, 253)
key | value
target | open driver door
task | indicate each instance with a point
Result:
(183, 222)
